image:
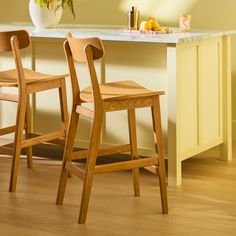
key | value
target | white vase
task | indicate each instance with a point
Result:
(44, 18)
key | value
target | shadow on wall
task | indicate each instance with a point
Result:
(106, 12)
(205, 14)
(20, 11)
(102, 12)
(217, 14)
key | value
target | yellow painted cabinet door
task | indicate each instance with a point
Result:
(187, 99)
(199, 96)
(210, 92)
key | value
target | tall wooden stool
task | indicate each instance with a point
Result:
(123, 95)
(27, 82)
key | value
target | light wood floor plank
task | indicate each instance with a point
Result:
(205, 205)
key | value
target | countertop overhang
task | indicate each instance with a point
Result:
(112, 33)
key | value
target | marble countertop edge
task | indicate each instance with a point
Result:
(116, 33)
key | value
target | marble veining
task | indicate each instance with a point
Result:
(115, 33)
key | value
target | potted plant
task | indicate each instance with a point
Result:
(56, 4)
(47, 13)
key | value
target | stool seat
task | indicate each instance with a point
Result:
(8, 78)
(118, 91)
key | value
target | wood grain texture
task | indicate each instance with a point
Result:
(203, 205)
(134, 149)
(121, 95)
(27, 82)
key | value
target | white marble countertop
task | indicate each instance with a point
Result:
(115, 33)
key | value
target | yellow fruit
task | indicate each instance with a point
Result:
(154, 23)
(157, 28)
(145, 25)
(165, 29)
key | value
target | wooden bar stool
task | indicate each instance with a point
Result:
(27, 82)
(123, 95)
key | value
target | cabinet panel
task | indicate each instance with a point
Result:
(209, 92)
(187, 98)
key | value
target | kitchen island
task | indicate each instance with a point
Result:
(194, 70)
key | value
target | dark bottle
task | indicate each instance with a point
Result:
(133, 19)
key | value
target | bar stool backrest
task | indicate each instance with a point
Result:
(84, 51)
(7, 36)
(78, 48)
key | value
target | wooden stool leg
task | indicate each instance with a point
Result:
(20, 122)
(27, 134)
(69, 144)
(64, 108)
(91, 162)
(156, 116)
(134, 152)
(63, 103)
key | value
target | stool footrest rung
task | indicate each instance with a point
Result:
(43, 138)
(126, 165)
(7, 130)
(9, 97)
(59, 140)
(153, 169)
(85, 112)
(102, 151)
(75, 170)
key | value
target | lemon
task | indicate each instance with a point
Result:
(154, 23)
(145, 25)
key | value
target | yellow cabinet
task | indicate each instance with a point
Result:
(199, 96)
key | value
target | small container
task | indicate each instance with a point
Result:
(185, 23)
(133, 19)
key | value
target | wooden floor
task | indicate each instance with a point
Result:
(204, 205)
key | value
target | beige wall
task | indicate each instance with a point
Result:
(206, 13)
(209, 14)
